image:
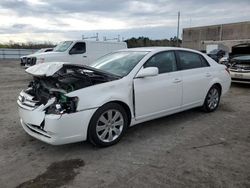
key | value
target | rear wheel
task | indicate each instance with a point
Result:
(107, 125)
(212, 100)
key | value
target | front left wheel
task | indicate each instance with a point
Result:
(107, 125)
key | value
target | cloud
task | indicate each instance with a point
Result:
(64, 19)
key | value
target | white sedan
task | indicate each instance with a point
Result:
(68, 103)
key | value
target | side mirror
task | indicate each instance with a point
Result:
(146, 72)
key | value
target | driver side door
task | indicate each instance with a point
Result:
(162, 94)
(77, 53)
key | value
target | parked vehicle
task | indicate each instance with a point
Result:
(216, 54)
(78, 52)
(239, 67)
(224, 60)
(28, 58)
(68, 103)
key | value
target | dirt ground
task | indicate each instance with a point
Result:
(189, 149)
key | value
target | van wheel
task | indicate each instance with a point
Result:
(107, 125)
(212, 100)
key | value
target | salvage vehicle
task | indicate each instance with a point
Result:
(216, 54)
(78, 51)
(27, 59)
(68, 102)
(239, 68)
(224, 60)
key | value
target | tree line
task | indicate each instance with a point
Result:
(131, 43)
(145, 41)
(27, 45)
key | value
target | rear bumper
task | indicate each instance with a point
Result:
(56, 129)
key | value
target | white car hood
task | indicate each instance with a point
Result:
(45, 54)
(45, 69)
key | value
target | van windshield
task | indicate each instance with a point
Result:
(119, 63)
(62, 46)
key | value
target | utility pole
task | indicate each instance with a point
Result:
(178, 27)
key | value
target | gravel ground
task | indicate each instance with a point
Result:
(188, 149)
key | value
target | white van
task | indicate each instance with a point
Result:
(77, 52)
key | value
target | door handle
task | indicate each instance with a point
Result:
(208, 74)
(177, 80)
(84, 56)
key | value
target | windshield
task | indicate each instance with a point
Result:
(119, 63)
(62, 46)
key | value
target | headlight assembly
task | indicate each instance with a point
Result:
(63, 105)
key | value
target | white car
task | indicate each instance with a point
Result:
(68, 103)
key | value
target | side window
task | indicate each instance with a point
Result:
(204, 62)
(78, 48)
(189, 60)
(164, 61)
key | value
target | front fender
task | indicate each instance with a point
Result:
(98, 95)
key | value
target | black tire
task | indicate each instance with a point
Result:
(92, 130)
(207, 107)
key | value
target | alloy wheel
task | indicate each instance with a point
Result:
(213, 98)
(109, 125)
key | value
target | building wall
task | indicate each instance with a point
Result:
(197, 37)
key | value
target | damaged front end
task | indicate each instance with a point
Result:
(54, 80)
(240, 69)
(45, 109)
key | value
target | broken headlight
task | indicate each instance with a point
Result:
(63, 105)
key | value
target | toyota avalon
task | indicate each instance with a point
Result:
(67, 102)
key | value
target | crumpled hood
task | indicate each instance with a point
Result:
(45, 69)
(50, 68)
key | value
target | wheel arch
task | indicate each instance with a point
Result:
(126, 108)
(121, 103)
(219, 86)
(215, 83)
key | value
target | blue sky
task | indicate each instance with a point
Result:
(39, 20)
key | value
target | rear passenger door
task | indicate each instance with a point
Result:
(196, 77)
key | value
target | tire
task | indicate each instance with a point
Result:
(212, 99)
(107, 125)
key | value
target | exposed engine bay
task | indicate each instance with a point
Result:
(67, 79)
(240, 64)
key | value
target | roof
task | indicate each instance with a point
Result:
(93, 41)
(158, 49)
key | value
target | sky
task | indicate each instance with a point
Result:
(58, 20)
